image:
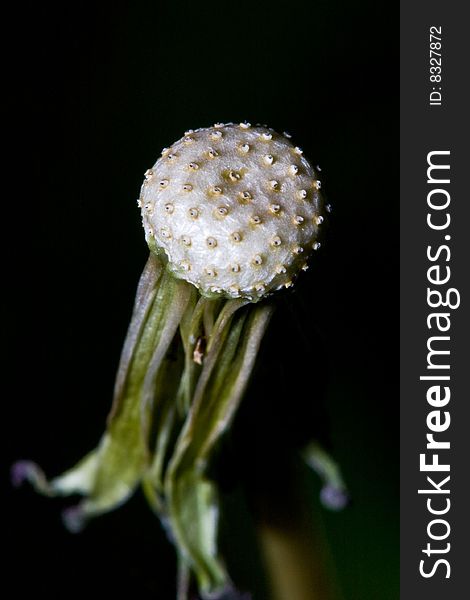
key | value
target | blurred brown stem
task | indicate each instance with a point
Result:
(293, 546)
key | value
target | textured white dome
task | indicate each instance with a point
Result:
(235, 208)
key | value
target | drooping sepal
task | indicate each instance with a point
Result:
(109, 475)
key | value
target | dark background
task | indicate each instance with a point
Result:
(97, 91)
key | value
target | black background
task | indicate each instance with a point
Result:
(97, 91)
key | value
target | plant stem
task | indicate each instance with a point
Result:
(183, 580)
(293, 547)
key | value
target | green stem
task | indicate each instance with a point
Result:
(183, 580)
